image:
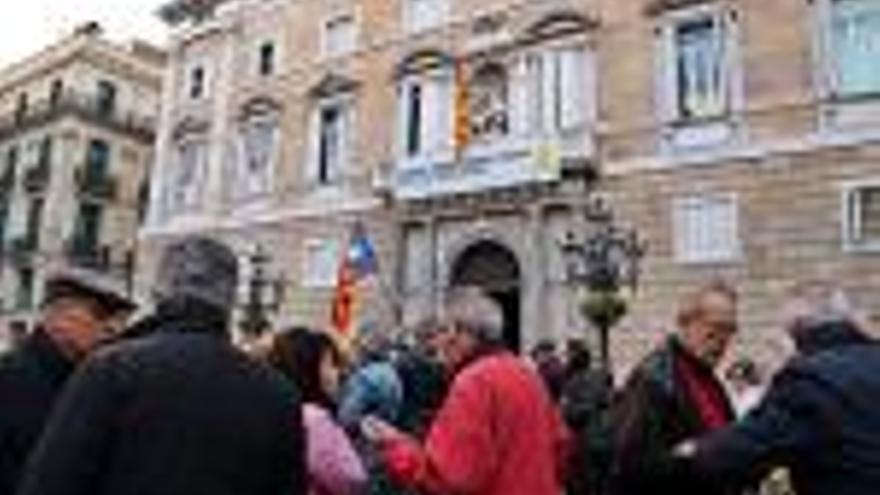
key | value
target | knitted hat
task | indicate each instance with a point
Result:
(199, 268)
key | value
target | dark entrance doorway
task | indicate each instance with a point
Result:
(494, 268)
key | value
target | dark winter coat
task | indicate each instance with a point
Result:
(819, 418)
(653, 415)
(31, 377)
(176, 412)
(585, 411)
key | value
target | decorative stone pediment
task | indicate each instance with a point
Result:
(333, 84)
(658, 7)
(422, 61)
(559, 23)
(189, 126)
(259, 106)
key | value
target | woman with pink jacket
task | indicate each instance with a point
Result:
(312, 362)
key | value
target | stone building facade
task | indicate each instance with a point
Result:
(76, 133)
(461, 131)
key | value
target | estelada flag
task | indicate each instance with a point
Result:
(358, 262)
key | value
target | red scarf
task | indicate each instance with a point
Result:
(705, 392)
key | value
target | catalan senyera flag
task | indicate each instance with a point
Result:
(462, 127)
(358, 262)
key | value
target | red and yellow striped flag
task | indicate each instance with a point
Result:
(462, 128)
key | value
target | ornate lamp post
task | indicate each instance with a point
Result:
(601, 263)
(264, 295)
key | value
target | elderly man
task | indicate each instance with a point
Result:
(674, 395)
(176, 409)
(79, 310)
(819, 417)
(498, 431)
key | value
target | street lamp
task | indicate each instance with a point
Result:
(259, 303)
(601, 262)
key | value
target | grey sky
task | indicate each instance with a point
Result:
(28, 25)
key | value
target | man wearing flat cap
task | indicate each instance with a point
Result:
(79, 309)
(175, 408)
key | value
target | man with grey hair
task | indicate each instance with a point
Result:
(498, 432)
(819, 417)
(176, 409)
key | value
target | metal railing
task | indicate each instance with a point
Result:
(86, 106)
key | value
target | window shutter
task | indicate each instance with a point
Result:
(573, 88)
(445, 112)
(666, 74)
(549, 73)
(519, 98)
(313, 161)
(430, 108)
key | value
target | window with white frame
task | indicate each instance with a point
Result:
(339, 35)
(320, 263)
(855, 46)
(257, 150)
(558, 87)
(331, 140)
(490, 102)
(697, 64)
(862, 216)
(419, 15)
(426, 113)
(705, 228)
(187, 175)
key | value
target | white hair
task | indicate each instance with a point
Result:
(469, 309)
(816, 302)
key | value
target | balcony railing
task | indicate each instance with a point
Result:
(98, 187)
(21, 249)
(82, 252)
(85, 106)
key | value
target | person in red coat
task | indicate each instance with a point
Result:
(498, 431)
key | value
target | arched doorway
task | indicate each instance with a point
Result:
(494, 268)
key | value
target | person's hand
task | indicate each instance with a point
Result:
(378, 431)
(685, 450)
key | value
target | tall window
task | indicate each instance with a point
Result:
(419, 15)
(855, 40)
(697, 66)
(426, 104)
(267, 59)
(34, 219)
(106, 98)
(24, 296)
(258, 138)
(88, 227)
(11, 166)
(332, 140)
(56, 92)
(196, 82)
(557, 90)
(188, 174)
(44, 159)
(340, 35)
(97, 160)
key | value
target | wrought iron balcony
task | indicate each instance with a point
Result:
(21, 249)
(97, 187)
(87, 107)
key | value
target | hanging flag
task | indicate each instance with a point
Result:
(462, 127)
(358, 262)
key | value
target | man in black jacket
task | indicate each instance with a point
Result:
(819, 417)
(674, 395)
(77, 313)
(177, 410)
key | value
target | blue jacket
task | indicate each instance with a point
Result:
(374, 389)
(819, 418)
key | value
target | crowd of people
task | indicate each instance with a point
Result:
(169, 404)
